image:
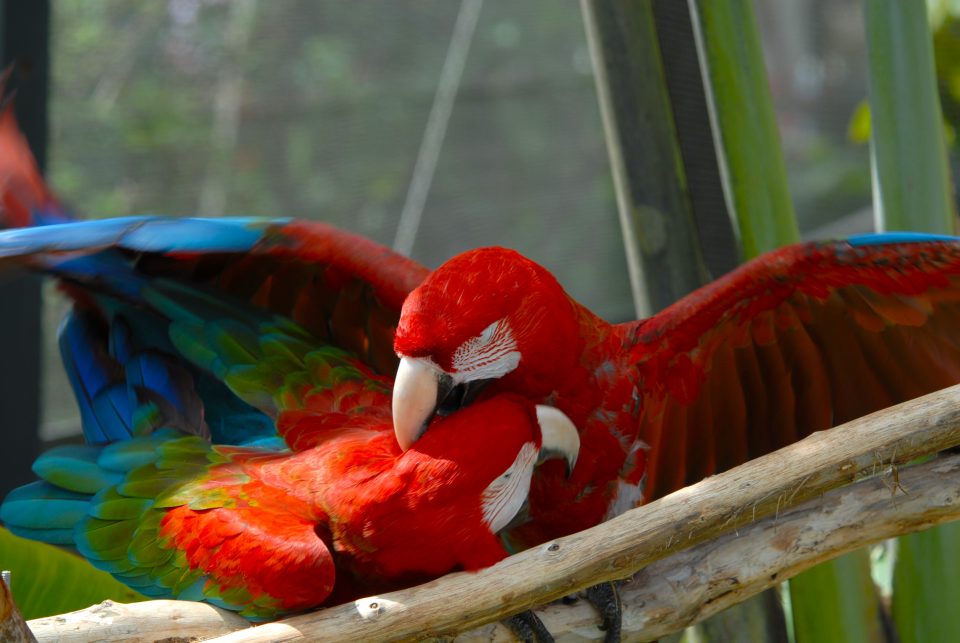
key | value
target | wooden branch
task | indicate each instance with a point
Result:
(616, 549)
(674, 592)
(620, 547)
(138, 623)
(694, 584)
(13, 629)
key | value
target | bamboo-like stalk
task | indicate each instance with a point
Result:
(912, 191)
(664, 259)
(744, 125)
(911, 184)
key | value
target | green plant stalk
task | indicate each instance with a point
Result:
(925, 585)
(911, 184)
(744, 125)
(837, 601)
(912, 192)
(755, 184)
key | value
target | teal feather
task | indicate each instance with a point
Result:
(284, 346)
(150, 487)
(104, 539)
(146, 419)
(188, 587)
(179, 307)
(255, 386)
(130, 454)
(185, 449)
(62, 537)
(42, 507)
(233, 341)
(153, 591)
(44, 514)
(143, 583)
(110, 505)
(116, 566)
(145, 550)
(74, 467)
(189, 341)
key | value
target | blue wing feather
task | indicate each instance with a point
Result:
(141, 234)
(884, 238)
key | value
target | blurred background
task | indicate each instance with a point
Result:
(321, 110)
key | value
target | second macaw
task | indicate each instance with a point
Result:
(796, 341)
(234, 458)
(233, 378)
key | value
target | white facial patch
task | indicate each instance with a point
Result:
(505, 496)
(490, 355)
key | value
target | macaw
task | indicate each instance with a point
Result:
(233, 378)
(796, 341)
(234, 457)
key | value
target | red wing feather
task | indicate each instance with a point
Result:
(797, 341)
(260, 546)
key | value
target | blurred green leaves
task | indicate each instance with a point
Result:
(46, 580)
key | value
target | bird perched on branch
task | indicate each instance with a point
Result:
(233, 379)
(796, 341)
(233, 457)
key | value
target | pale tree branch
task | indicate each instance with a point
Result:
(692, 585)
(146, 622)
(764, 542)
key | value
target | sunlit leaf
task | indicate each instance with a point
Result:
(46, 580)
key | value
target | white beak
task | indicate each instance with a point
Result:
(414, 399)
(559, 435)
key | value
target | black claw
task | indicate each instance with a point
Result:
(606, 600)
(528, 627)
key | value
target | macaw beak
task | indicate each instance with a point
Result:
(420, 390)
(559, 436)
(415, 393)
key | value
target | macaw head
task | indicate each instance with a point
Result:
(486, 318)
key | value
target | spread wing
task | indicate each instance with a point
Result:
(796, 341)
(341, 288)
(272, 316)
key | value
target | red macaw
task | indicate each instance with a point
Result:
(233, 380)
(234, 458)
(796, 341)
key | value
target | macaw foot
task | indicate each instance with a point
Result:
(606, 600)
(528, 627)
